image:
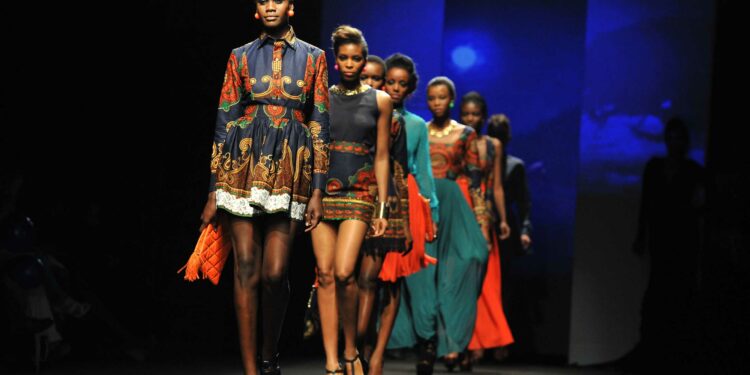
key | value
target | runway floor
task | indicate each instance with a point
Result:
(227, 366)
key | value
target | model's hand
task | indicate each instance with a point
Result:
(505, 230)
(378, 227)
(314, 211)
(486, 233)
(409, 239)
(525, 241)
(434, 230)
(209, 212)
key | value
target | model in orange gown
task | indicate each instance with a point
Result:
(491, 329)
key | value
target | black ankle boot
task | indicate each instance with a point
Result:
(270, 367)
(426, 356)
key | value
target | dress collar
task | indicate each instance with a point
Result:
(290, 38)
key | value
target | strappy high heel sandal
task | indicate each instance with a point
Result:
(338, 370)
(362, 361)
(270, 367)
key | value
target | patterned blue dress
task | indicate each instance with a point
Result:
(271, 140)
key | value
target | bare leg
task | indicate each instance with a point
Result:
(387, 320)
(246, 243)
(279, 236)
(349, 240)
(324, 245)
(368, 287)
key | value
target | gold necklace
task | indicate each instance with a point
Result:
(442, 132)
(336, 89)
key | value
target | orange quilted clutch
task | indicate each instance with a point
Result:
(209, 256)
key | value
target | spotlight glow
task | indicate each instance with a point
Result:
(464, 57)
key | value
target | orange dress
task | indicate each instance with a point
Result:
(491, 329)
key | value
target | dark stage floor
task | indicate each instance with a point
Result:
(290, 367)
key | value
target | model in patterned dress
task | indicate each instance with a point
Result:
(395, 241)
(462, 246)
(360, 125)
(268, 168)
(491, 329)
(401, 81)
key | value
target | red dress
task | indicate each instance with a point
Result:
(491, 329)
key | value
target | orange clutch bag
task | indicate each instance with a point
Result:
(209, 256)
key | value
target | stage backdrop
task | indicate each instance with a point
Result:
(526, 58)
(645, 62)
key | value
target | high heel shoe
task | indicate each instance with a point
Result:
(465, 362)
(362, 361)
(270, 367)
(450, 363)
(338, 370)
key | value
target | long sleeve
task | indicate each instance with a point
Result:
(229, 111)
(319, 123)
(423, 171)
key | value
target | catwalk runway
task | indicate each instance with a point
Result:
(229, 366)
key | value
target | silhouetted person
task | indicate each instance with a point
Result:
(516, 299)
(669, 230)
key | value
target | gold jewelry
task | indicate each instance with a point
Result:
(381, 210)
(336, 89)
(440, 133)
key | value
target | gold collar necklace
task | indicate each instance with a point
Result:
(440, 133)
(339, 91)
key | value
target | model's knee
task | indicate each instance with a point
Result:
(245, 267)
(325, 277)
(274, 279)
(344, 277)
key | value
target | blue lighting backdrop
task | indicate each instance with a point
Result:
(526, 58)
(588, 86)
(645, 62)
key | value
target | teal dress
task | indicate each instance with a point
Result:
(417, 314)
(452, 287)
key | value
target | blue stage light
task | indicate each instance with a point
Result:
(464, 57)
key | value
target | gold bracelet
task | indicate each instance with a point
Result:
(381, 210)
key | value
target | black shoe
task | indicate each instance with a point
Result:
(362, 361)
(450, 363)
(465, 363)
(270, 367)
(426, 357)
(338, 370)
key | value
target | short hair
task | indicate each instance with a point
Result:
(499, 127)
(399, 60)
(377, 60)
(478, 99)
(346, 34)
(443, 80)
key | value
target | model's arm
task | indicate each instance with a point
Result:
(319, 125)
(229, 111)
(382, 170)
(497, 188)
